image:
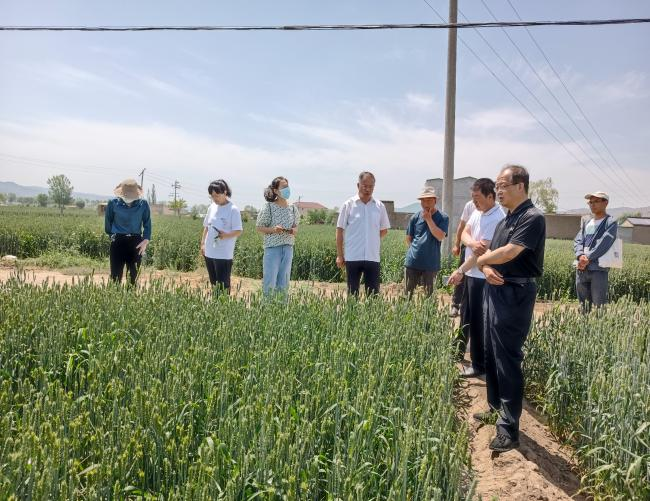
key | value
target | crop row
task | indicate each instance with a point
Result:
(591, 376)
(107, 392)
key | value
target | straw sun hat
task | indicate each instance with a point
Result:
(128, 188)
(428, 192)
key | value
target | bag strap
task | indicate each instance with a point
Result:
(600, 231)
(270, 211)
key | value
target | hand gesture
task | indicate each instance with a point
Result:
(478, 248)
(142, 247)
(492, 276)
(278, 229)
(583, 262)
(455, 278)
(340, 261)
(455, 250)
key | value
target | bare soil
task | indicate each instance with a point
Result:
(541, 469)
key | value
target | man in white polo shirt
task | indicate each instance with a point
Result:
(363, 222)
(476, 237)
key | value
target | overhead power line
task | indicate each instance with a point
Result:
(573, 99)
(337, 27)
(516, 98)
(90, 169)
(612, 179)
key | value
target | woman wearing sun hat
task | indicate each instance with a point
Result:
(128, 222)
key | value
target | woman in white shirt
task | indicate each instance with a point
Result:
(221, 227)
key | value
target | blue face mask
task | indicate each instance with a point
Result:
(285, 192)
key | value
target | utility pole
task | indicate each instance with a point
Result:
(176, 186)
(450, 127)
(142, 178)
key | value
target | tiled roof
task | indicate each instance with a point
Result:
(309, 205)
(639, 221)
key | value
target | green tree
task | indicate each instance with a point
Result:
(41, 200)
(3, 198)
(60, 191)
(625, 215)
(178, 205)
(248, 213)
(198, 210)
(11, 197)
(316, 216)
(26, 201)
(543, 195)
(80, 203)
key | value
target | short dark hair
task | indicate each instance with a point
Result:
(367, 173)
(269, 194)
(519, 174)
(219, 186)
(485, 186)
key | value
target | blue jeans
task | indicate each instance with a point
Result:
(277, 268)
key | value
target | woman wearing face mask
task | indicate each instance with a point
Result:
(128, 222)
(278, 221)
(221, 227)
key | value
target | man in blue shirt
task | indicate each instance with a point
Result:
(426, 229)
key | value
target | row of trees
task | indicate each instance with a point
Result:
(40, 200)
(541, 192)
(59, 194)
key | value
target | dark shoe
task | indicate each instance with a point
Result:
(454, 311)
(487, 417)
(503, 443)
(470, 372)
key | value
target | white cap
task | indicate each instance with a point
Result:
(598, 194)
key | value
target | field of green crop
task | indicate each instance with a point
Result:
(30, 232)
(591, 375)
(109, 392)
(164, 393)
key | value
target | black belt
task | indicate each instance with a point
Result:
(520, 280)
(127, 235)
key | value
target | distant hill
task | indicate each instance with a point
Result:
(616, 211)
(32, 191)
(412, 208)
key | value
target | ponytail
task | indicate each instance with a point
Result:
(269, 194)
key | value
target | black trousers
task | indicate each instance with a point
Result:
(459, 290)
(371, 276)
(123, 252)
(415, 277)
(219, 271)
(508, 311)
(471, 314)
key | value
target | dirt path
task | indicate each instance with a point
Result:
(539, 470)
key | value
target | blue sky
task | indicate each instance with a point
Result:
(318, 107)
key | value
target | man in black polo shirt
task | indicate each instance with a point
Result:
(515, 258)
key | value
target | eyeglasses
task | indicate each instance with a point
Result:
(500, 187)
